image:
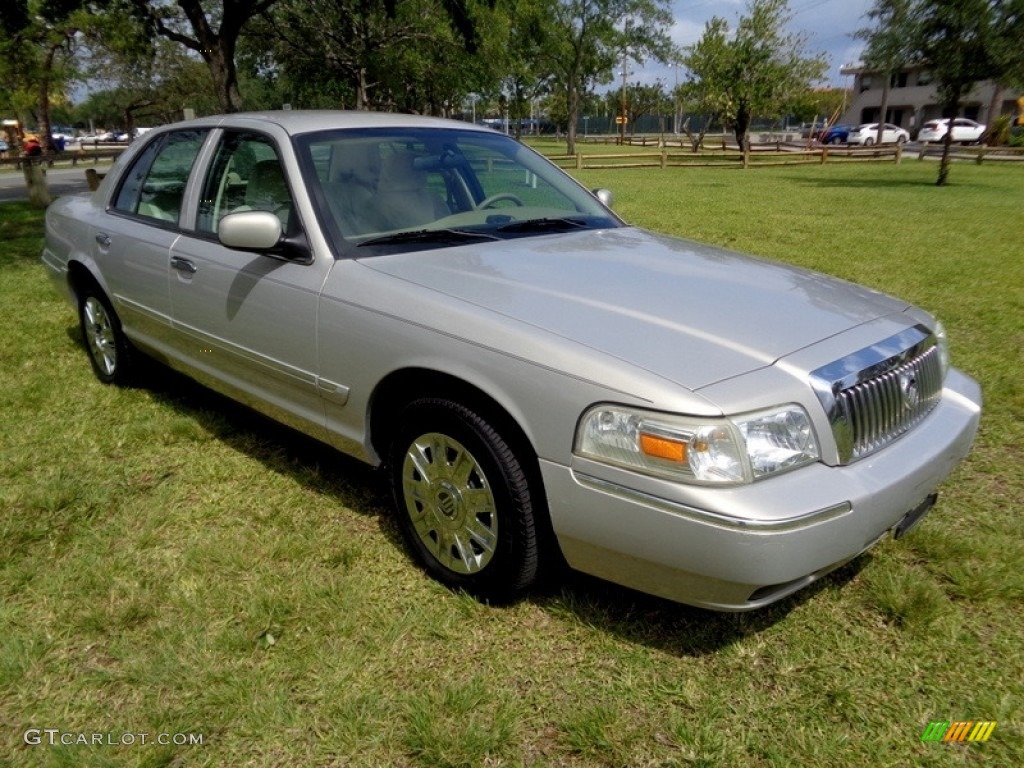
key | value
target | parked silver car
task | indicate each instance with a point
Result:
(536, 378)
(867, 134)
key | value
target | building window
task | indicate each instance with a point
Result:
(924, 77)
(865, 83)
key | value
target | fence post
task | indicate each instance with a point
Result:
(664, 158)
(981, 155)
(824, 154)
(899, 152)
(579, 161)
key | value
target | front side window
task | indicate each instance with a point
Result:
(154, 185)
(246, 175)
(380, 188)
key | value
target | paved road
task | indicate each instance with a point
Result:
(62, 181)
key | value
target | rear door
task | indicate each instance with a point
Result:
(133, 237)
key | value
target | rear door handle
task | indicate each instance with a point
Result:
(183, 265)
(103, 240)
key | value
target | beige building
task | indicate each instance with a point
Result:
(913, 98)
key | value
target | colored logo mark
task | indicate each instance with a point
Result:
(963, 730)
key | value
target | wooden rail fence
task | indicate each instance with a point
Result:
(761, 156)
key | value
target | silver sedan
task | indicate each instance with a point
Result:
(536, 379)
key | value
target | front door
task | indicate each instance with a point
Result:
(248, 319)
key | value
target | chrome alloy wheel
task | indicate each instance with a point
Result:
(450, 503)
(100, 335)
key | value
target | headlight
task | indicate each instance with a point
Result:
(696, 450)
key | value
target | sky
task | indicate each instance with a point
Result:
(827, 24)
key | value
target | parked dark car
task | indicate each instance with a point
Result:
(837, 134)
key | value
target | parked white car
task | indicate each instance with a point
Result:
(535, 377)
(867, 134)
(964, 130)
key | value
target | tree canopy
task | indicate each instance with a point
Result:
(754, 68)
(962, 42)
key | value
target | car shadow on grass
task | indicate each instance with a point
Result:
(670, 627)
(570, 595)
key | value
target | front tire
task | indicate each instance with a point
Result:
(463, 499)
(108, 347)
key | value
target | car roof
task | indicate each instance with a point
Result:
(296, 122)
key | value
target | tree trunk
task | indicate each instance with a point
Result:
(45, 131)
(35, 180)
(362, 91)
(35, 176)
(220, 58)
(993, 110)
(884, 107)
(950, 112)
(572, 103)
(742, 131)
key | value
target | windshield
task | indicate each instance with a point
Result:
(383, 189)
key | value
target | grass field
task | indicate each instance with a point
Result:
(173, 564)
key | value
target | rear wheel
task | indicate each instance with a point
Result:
(108, 348)
(463, 499)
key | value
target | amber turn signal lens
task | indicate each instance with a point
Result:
(663, 448)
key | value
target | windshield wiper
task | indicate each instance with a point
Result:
(428, 236)
(543, 225)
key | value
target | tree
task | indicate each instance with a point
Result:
(187, 22)
(963, 42)
(411, 55)
(587, 40)
(753, 70)
(38, 45)
(1008, 53)
(152, 89)
(640, 101)
(522, 33)
(889, 46)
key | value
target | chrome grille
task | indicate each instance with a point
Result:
(875, 395)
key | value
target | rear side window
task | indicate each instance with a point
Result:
(155, 184)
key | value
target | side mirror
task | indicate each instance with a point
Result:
(605, 196)
(250, 231)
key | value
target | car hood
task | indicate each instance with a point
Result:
(688, 312)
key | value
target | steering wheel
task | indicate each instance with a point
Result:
(487, 202)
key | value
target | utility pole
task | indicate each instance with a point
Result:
(622, 112)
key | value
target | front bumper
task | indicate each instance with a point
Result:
(740, 548)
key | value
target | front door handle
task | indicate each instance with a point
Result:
(103, 240)
(183, 265)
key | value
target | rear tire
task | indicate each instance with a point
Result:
(109, 349)
(463, 499)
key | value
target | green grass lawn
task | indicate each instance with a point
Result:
(174, 564)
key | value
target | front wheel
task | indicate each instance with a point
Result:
(108, 348)
(463, 499)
